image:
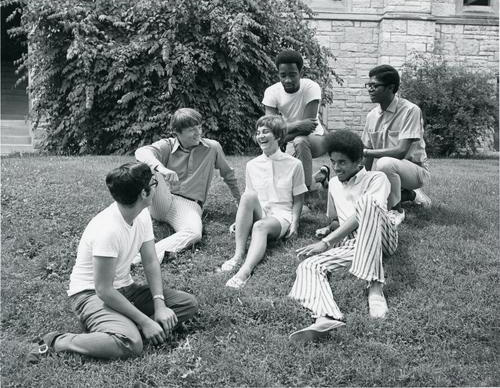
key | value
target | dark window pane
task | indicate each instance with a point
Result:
(477, 2)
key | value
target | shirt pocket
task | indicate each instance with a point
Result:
(394, 136)
(377, 139)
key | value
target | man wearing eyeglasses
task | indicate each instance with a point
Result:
(184, 167)
(113, 309)
(394, 141)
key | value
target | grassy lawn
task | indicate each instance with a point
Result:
(442, 291)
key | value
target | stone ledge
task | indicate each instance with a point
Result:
(488, 20)
(474, 20)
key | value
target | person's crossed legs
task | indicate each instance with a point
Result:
(109, 334)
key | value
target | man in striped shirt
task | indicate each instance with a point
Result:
(358, 236)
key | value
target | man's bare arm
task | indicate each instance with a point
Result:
(398, 152)
(303, 127)
(104, 273)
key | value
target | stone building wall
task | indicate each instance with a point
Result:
(366, 33)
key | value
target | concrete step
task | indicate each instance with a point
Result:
(15, 127)
(6, 149)
(12, 139)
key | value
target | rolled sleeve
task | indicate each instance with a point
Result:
(312, 92)
(412, 127)
(298, 180)
(270, 98)
(154, 154)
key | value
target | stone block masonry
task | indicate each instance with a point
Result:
(373, 32)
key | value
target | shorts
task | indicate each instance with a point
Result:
(285, 224)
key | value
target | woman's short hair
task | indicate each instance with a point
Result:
(346, 142)
(184, 118)
(387, 75)
(289, 56)
(126, 182)
(275, 123)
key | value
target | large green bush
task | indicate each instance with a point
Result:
(458, 103)
(106, 75)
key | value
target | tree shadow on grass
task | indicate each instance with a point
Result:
(441, 215)
(400, 270)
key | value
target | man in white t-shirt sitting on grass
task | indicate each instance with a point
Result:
(297, 99)
(113, 309)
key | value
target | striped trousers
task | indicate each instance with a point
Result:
(183, 215)
(362, 251)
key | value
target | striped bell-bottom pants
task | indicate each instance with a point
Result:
(362, 251)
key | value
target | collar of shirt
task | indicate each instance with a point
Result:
(178, 145)
(278, 155)
(392, 106)
(355, 178)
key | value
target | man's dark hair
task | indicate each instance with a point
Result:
(346, 142)
(289, 56)
(387, 75)
(126, 182)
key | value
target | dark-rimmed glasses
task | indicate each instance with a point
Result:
(373, 85)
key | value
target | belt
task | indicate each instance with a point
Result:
(190, 199)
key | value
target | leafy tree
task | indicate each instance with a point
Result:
(106, 75)
(459, 104)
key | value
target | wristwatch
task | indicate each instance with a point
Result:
(159, 296)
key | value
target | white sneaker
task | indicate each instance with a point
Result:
(422, 199)
(377, 305)
(396, 217)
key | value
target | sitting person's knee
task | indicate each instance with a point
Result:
(308, 265)
(192, 305)
(196, 236)
(386, 164)
(130, 345)
(301, 141)
(366, 201)
(259, 227)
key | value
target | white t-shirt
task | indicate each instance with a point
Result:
(275, 179)
(109, 235)
(342, 196)
(292, 105)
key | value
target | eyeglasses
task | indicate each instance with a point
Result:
(194, 129)
(154, 183)
(373, 85)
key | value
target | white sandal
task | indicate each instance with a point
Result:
(230, 265)
(236, 282)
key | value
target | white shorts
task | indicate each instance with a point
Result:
(285, 224)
